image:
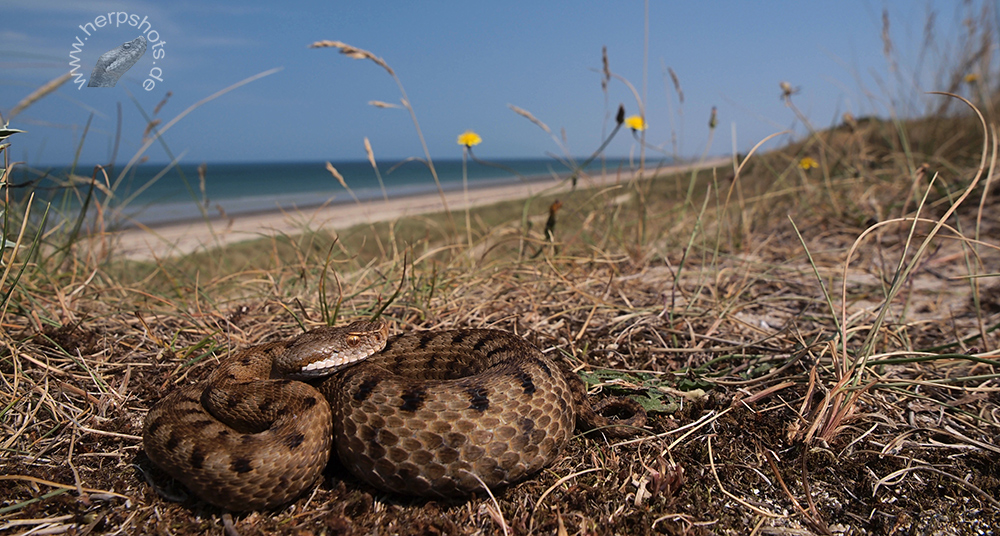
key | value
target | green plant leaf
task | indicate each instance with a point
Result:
(655, 404)
(642, 388)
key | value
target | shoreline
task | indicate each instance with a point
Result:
(298, 202)
(145, 243)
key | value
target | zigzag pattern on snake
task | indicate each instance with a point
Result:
(437, 413)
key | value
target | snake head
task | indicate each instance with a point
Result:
(323, 351)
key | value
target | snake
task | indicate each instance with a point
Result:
(442, 413)
(116, 62)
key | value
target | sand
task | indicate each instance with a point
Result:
(163, 241)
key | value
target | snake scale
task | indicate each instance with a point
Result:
(434, 413)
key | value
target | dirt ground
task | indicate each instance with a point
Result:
(734, 356)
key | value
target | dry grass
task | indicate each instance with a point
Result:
(718, 320)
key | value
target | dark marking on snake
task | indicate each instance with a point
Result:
(200, 424)
(294, 440)
(498, 350)
(365, 389)
(241, 465)
(154, 426)
(173, 441)
(526, 425)
(206, 397)
(425, 340)
(197, 457)
(480, 344)
(544, 367)
(413, 399)
(527, 383)
(479, 399)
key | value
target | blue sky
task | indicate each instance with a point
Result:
(461, 64)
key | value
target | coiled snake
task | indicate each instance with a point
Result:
(436, 413)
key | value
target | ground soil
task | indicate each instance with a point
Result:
(735, 352)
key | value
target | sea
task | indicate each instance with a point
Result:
(159, 194)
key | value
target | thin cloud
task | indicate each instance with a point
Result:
(11, 37)
(59, 12)
(218, 41)
(232, 10)
(63, 7)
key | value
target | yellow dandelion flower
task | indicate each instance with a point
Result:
(469, 138)
(808, 163)
(636, 122)
(971, 78)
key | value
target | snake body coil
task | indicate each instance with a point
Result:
(437, 413)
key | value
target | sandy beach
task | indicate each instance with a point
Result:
(146, 243)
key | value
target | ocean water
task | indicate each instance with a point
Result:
(245, 188)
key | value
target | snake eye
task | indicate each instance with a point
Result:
(127, 45)
(353, 340)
